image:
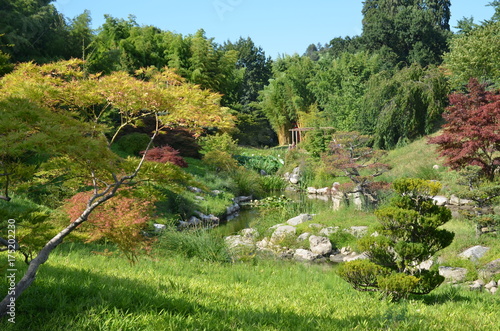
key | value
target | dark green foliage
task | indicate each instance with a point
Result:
(317, 141)
(339, 86)
(402, 107)
(415, 31)
(408, 235)
(131, 144)
(362, 274)
(288, 94)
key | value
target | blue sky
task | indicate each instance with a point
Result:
(279, 27)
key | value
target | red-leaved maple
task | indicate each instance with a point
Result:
(471, 135)
(165, 154)
(121, 221)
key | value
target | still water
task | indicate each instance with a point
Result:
(302, 204)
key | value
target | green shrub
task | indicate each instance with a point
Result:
(220, 161)
(219, 142)
(246, 182)
(362, 274)
(397, 285)
(408, 235)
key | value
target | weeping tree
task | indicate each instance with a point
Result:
(60, 110)
(408, 234)
(400, 107)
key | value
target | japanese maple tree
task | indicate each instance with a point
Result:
(471, 135)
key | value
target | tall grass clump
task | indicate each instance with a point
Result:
(200, 244)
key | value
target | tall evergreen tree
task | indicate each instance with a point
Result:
(414, 30)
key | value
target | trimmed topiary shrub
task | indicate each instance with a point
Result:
(409, 234)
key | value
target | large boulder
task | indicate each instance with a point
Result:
(299, 219)
(320, 245)
(474, 253)
(282, 232)
(453, 274)
(240, 246)
(239, 241)
(440, 200)
(304, 255)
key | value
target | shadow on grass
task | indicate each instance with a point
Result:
(77, 299)
(445, 295)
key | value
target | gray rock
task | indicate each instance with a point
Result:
(311, 190)
(337, 258)
(232, 209)
(249, 233)
(323, 191)
(490, 285)
(304, 255)
(239, 241)
(295, 176)
(243, 198)
(474, 253)
(303, 236)
(353, 257)
(490, 269)
(440, 200)
(476, 287)
(456, 201)
(426, 265)
(299, 219)
(493, 290)
(453, 274)
(194, 221)
(159, 227)
(282, 232)
(195, 189)
(320, 245)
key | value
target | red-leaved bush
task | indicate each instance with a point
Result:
(119, 220)
(471, 135)
(165, 154)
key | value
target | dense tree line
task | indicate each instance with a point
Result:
(390, 82)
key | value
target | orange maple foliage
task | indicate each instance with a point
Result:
(120, 220)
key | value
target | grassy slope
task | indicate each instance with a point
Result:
(77, 290)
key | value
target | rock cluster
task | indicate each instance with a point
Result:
(307, 246)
